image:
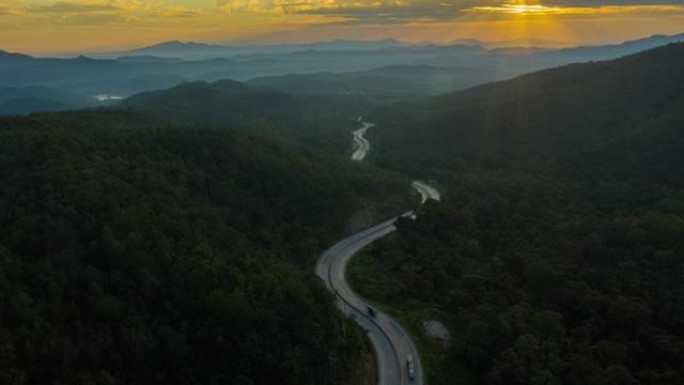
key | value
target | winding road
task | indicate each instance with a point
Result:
(361, 145)
(391, 341)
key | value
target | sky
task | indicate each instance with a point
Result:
(66, 26)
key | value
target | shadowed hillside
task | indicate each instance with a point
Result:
(583, 115)
(133, 252)
(320, 121)
(557, 253)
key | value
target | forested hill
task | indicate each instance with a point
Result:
(136, 253)
(557, 254)
(605, 115)
(317, 120)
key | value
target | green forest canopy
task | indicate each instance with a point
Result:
(132, 252)
(557, 256)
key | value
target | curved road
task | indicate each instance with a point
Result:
(361, 145)
(391, 341)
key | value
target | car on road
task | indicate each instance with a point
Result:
(410, 367)
(372, 311)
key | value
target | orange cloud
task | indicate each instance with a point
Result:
(304, 6)
(539, 9)
(49, 25)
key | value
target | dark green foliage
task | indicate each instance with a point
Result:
(558, 257)
(609, 114)
(132, 253)
(316, 120)
(538, 290)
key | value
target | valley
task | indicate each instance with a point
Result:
(209, 213)
(375, 72)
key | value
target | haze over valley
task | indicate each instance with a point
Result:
(334, 193)
(373, 71)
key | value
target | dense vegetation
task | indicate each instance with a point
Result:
(558, 256)
(579, 116)
(133, 251)
(319, 121)
(136, 253)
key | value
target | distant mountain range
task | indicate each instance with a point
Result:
(385, 84)
(200, 51)
(193, 50)
(611, 51)
(11, 60)
(375, 70)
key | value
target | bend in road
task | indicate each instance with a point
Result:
(331, 268)
(426, 191)
(392, 343)
(361, 145)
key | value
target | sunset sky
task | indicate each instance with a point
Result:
(52, 26)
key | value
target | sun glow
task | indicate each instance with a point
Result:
(532, 23)
(44, 26)
(526, 8)
(522, 9)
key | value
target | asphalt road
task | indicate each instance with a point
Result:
(391, 341)
(426, 191)
(362, 146)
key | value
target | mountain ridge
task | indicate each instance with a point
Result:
(527, 118)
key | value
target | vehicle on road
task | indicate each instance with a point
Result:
(410, 367)
(372, 311)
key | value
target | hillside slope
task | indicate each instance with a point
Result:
(319, 121)
(557, 253)
(132, 252)
(580, 115)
